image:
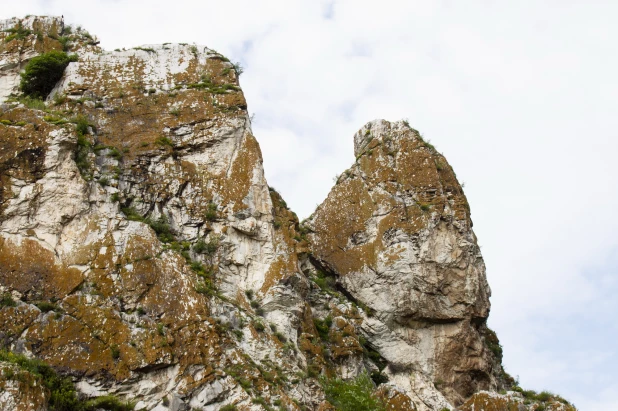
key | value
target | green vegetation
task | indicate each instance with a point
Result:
(238, 68)
(7, 300)
(164, 142)
(211, 212)
(492, 343)
(84, 147)
(43, 72)
(543, 397)
(63, 396)
(352, 395)
(324, 281)
(207, 84)
(115, 351)
(31, 102)
(229, 407)
(17, 33)
(162, 227)
(259, 326)
(147, 49)
(208, 248)
(323, 326)
(132, 214)
(46, 306)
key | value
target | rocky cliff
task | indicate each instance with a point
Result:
(143, 254)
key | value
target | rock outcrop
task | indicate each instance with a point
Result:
(396, 230)
(143, 254)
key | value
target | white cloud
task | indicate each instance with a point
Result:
(522, 98)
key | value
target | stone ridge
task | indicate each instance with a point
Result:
(143, 253)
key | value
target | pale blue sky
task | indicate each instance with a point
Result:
(521, 97)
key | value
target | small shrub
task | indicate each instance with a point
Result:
(175, 112)
(324, 281)
(260, 400)
(238, 68)
(228, 407)
(352, 395)
(132, 214)
(7, 300)
(147, 49)
(162, 227)
(82, 153)
(323, 327)
(259, 326)
(114, 153)
(200, 246)
(46, 306)
(211, 212)
(249, 294)
(141, 311)
(115, 351)
(255, 305)
(115, 197)
(160, 329)
(164, 142)
(109, 403)
(43, 72)
(281, 337)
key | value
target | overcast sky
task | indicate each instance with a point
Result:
(521, 97)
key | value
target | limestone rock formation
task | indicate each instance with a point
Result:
(396, 229)
(143, 254)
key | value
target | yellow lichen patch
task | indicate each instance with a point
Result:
(14, 320)
(343, 214)
(343, 341)
(491, 402)
(281, 268)
(248, 158)
(32, 270)
(394, 400)
(69, 342)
